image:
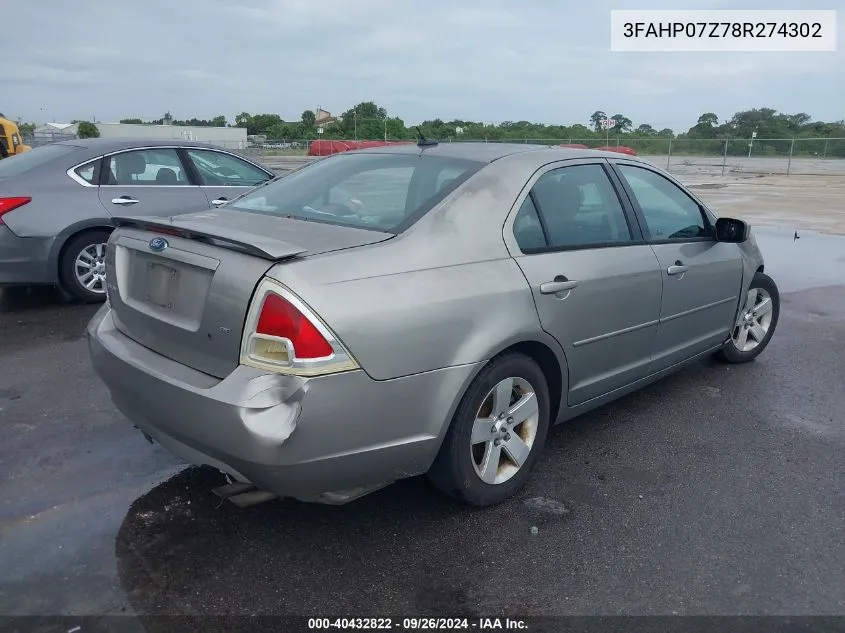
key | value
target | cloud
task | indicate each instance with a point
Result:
(489, 60)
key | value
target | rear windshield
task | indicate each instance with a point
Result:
(22, 163)
(384, 192)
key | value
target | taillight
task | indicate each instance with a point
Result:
(284, 335)
(9, 204)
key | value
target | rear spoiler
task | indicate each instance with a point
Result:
(249, 243)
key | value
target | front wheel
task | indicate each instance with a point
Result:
(82, 268)
(497, 432)
(756, 324)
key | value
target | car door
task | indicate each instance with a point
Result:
(223, 176)
(701, 276)
(596, 283)
(150, 181)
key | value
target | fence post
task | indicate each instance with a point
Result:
(789, 162)
(824, 151)
(725, 157)
(669, 156)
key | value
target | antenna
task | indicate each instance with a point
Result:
(424, 142)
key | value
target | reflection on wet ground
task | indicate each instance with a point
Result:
(717, 490)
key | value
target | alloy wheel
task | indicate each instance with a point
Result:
(89, 268)
(754, 321)
(504, 430)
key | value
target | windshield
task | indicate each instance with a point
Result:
(384, 192)
(22, 163)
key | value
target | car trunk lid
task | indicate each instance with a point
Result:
(181, 286)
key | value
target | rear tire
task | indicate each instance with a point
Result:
(758, 319)
(81, 267)
(492, 445)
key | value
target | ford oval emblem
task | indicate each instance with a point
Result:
(158, 244)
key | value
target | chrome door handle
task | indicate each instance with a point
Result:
(124, 200)
(219, 202)
(677, 269)
(553, 287)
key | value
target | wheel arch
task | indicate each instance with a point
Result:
(69, 233)
(548, 355)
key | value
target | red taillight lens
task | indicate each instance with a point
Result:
(280, 318)
(8, 204)
(282, 334)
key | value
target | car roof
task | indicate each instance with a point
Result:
(106, 145)
(488, 152)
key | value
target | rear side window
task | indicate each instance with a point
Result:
(22, 163)
(89, 172)
(384, 192)
(151, 167)
(580, 208)
(527, 228)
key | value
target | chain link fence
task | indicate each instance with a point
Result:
(704, 157)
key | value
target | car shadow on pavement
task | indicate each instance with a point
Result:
(183, 550)
(404, 549)
(39, 315)
(25, 298)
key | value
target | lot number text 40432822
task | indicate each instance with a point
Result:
(419, 624)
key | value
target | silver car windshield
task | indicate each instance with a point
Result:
(384, 192)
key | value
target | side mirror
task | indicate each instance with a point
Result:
(730, 230)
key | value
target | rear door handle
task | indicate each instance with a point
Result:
(219, 202)
(677, 268)
(560, 284)
(124, 200)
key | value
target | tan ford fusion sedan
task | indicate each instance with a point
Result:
(427, 308)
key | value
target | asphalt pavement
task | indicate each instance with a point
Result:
(715, 491)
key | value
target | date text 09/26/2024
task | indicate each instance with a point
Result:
(418, 624)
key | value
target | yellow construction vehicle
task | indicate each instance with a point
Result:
(11, 141)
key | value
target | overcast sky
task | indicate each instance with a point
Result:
(485, 60)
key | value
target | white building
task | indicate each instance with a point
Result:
(230, 137)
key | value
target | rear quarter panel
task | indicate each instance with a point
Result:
(444, 293)
(60, 208)
(57, 203)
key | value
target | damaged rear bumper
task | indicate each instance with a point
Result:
(327, 439)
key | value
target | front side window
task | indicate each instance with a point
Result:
(218, 169)
(580, 208)
(385, 192)
(151, 167)
(669, 213)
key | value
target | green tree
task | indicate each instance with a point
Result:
(364, 121)
(309, 119)
(645, 129)
(218, 121)
(596, 119)
(27, 129)
(131, 121)
(667, 132)
(623, 124)
(243, 120)
(86, 129)
(709, 119)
